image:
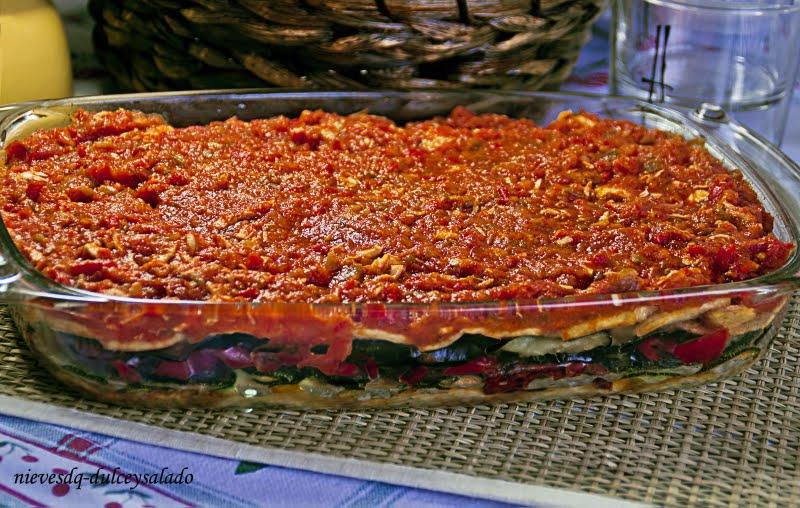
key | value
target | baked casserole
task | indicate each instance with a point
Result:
(334, 210)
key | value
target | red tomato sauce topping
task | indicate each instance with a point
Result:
(330, 208)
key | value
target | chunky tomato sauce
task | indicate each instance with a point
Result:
(330, 208)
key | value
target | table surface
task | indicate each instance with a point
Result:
(31, 447)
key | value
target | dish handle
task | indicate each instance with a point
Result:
(776, 171)
(9, 278)
(10, 275)
(781, 170)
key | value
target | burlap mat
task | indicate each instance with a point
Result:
(728, 444)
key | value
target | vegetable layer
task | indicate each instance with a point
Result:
(378, 366)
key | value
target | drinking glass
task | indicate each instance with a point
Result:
(742, 55)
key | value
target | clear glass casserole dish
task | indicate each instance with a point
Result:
(215, 354)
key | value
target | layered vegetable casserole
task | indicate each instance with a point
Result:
(406, 222)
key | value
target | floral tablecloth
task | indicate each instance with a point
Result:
(48, 465)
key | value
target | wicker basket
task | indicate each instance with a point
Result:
(341, 44)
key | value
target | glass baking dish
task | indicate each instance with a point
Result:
(215, 354)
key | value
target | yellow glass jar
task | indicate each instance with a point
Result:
(34, 56)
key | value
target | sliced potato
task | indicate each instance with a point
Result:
(462, 382)
(694, 326)
(319, 387)
(759, 322)
(383, 388)
(662, 319)
(530, 346)
(596, 324)
(581, 380)
(622, 335)
(729, 317)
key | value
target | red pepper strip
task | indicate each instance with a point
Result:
(653, 348)
(174, 370)
(126, 372)
(267, 362)
(201, 362)
(414, 375)
(482, 365)
(371, 367)
(574, 369)
(235, 357)
(704, 349)
(521, 376)
(347, 370)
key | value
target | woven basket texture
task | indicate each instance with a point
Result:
(151, 45)
(733, 443)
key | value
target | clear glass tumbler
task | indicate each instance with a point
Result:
(742, 55)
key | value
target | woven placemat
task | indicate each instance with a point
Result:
(726, 444)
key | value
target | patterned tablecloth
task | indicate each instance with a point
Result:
(95, 470)
(48, 465)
